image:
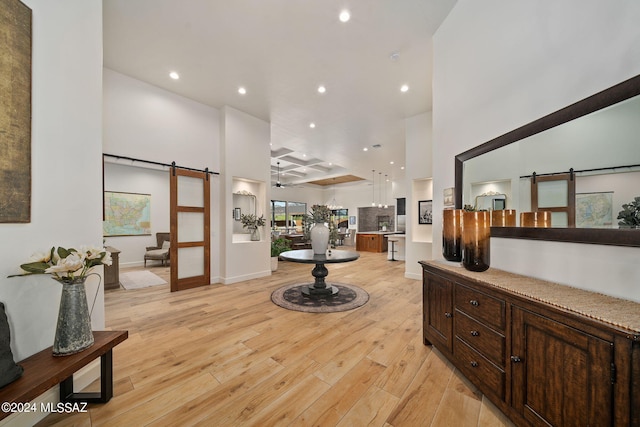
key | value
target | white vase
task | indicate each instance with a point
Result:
(319, 238)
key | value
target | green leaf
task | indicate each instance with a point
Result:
(35, 267)
(63, 253)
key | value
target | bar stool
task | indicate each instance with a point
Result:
(393, 249)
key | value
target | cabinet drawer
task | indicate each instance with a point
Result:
(481, 306)
(475, 365)
(486, 341)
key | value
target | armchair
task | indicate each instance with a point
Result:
(160, 252)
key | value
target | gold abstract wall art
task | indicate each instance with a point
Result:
(15, 112)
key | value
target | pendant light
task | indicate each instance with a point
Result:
(380, 189)
(373, 187)
(385, 191)
(334, 205)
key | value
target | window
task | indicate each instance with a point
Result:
(286, 217)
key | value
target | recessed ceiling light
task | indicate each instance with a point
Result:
(391, 162)
(344, 16)
(404, 88)
(304, 155)
(402, 167)
(322, 89)
(242, 90)
(365, 149)
(312, 125)
(174, 75)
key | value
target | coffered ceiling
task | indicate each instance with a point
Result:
(280, 52)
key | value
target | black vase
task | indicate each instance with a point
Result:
(475, 241)
(452, 234)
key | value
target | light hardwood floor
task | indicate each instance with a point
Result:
(227, 356)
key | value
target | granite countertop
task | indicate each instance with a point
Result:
(615, 311)
(381, 232)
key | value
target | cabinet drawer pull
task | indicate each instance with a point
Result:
(448, 315)
(516, 359)
(474, 364)
(474, 303)
(475, 333)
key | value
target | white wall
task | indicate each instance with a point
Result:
(135, 179)
(66, 166)
(245, 151)
(66, 171)
(418, 172)
(499, 65)
(148, 123)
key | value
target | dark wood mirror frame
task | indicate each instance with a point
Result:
(601, 236)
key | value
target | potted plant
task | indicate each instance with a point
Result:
(630, 214)
(278, 246)
(252, 222)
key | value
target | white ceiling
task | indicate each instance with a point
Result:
(281, 51)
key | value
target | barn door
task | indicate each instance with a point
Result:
(189, 221)
(556, 194)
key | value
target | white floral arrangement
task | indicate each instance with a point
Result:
(66, 265)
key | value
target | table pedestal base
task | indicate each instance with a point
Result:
(313, 292)
(319, 287)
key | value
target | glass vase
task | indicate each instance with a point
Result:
(503, 218)
(255, 234)
(73, 330)
(539, 219)
(475, 241)
(452, 234)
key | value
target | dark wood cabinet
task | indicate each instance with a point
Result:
(576, 369)
(542, 364)
(112, 272)
(437, 298)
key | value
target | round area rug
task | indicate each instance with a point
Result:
(292, 298)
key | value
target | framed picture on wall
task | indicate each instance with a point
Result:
(352, 220)
(448, 197)
(425, 212)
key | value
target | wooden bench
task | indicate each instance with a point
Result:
(43, 371)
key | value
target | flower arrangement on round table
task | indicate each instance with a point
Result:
(71, 267)
(320, 213)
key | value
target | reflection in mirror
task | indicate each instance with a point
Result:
(490, 201)
(243, 203)
(601, 148)
(594, 140)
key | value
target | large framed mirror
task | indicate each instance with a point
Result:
(596, 141)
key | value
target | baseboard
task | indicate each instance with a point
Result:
(230, 280)
(132, 264)
(81, 379)
(413, 276)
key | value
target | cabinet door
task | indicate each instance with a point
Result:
(438, 311)
(560, 376)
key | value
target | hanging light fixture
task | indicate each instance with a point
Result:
(278, 183)
(334, 205)
(385, 191)
(373, 187)
(379, 189)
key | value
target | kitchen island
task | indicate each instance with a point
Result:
(373, 241)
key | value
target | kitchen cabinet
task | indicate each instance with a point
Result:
(544, 353)
(371, 242)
